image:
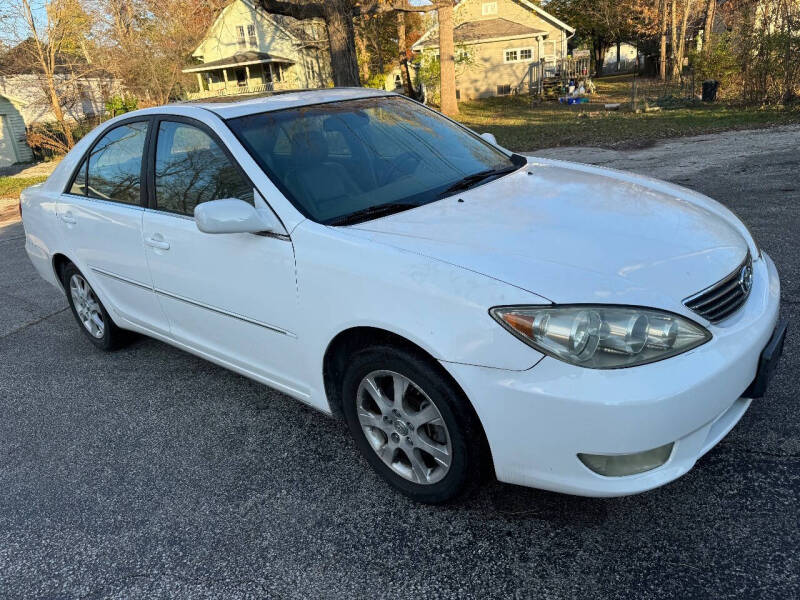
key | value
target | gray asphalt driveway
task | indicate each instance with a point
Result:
(149, 473)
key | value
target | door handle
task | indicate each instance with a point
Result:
(157, 242)
(68, 218)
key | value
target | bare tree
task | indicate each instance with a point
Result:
(711, 9)
(687, 8)
(447, 63)
(662, 63)
(676, 71)
(402, 53)
(339, 16)
(52, 48)
(146, 43)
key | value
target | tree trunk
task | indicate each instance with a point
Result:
(56, 106)
(599, 48)
(673, 40)
(363, 55)
(341, 39)
(682, 43)
(403, 53)
(711, 9)
(662, 64)
(447, 64)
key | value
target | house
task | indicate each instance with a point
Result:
(247, 50)
(622, 57)
(13, 145)
(24, 102)
(495, 42)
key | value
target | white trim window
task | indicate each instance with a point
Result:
(240, 39)
(488, 9)
(511, 55)
(251, 35)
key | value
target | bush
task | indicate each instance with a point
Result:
(758, 61)
(377, 81)
(47, 139)
(721, 64)
(118, 105)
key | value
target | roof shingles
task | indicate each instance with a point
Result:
(487, 29)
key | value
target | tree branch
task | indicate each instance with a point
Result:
(376, 7)
(301, 11)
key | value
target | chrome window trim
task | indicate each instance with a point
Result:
(137, 207)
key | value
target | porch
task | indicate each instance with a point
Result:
(243, 73)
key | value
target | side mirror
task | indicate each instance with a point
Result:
(232, 215)
(490, 138)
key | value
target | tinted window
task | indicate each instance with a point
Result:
(115, 164)
(191, 168)
(340, 159)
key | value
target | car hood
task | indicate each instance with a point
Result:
(573, 233)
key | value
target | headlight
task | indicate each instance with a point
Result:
(602, 337)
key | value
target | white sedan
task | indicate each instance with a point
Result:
(464, 309)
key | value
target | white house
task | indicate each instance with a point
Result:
(24, 102)
(247, 50)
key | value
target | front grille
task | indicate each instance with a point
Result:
(723, 299)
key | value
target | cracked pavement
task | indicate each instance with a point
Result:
(150, 473)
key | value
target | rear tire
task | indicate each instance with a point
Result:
(429, 444)
(90, 314)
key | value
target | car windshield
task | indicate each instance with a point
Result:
(346, 162)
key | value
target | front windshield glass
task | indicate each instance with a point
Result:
(346, 162)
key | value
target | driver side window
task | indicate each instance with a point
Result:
(192, 168)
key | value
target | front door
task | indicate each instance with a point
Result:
(101, 216)
(241, 77)
(230, 296)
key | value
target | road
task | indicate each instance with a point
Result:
(149, 473)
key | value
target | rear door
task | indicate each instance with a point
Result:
(100, 214)
(230, 296)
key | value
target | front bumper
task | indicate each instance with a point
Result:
(538, 420)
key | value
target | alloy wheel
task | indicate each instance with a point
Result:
(404, 427)
(87, 306)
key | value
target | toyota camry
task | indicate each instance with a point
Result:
(463, 309)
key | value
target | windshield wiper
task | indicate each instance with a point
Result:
(472, 180)
(371, 212)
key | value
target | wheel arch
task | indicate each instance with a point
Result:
(356, 338)
(60, 261)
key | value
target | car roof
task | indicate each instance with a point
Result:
(240, 108)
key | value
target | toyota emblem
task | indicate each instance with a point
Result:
(746, 279)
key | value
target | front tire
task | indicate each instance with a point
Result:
(89, 312)
(413, 426)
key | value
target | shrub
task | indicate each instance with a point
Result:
(377, 81)
(118, 105)
(47, 139)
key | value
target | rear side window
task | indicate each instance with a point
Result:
(115, 165)
(78, 186)
(192, 168)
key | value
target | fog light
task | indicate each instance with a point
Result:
(619, 465)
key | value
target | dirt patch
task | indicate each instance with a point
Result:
(40, 169)
(9, 210)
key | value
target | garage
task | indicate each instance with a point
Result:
(13, 148)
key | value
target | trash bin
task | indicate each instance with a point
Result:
(710, 88)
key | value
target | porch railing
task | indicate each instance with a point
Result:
(240, 90)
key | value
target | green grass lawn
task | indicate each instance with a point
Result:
(521, 127)
(10, 187)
